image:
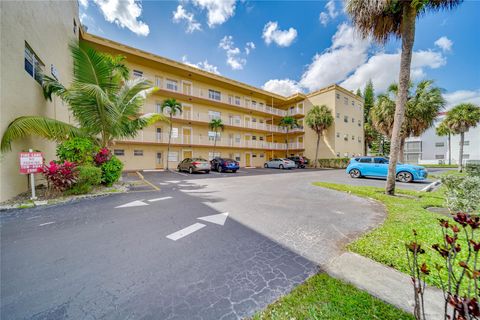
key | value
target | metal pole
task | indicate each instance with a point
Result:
(32, 182)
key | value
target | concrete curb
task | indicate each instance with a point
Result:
(431, 186)
(385, 283)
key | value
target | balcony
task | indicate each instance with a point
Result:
(205, 141)
(202, 93)
(296, 111)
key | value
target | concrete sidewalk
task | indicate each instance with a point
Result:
(384, 283)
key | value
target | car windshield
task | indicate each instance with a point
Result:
(231, 160)
(198, 159)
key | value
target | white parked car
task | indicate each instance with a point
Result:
(280, 163)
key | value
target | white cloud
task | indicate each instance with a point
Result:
(204, 65)
(218, 11)
(346, 54)
(283, 38)
(181, 14)
(462, 96)
(383, 69)
(284, 87)
(444, 43)
(125, 14)
(83, 3)
(330, 13)
(235, 58)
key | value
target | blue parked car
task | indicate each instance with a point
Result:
(378, 167)
(223, 164)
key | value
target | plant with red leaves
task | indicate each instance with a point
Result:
(463, 273)
(102, 156)
(60, 176)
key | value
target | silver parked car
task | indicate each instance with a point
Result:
(280, 163)
(194, 165)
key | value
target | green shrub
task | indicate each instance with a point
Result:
(473, 168)
(88, 177)
(337, 163)
(78, 150)
(462, 192)
(111, 171)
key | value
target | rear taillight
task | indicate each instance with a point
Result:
(195, 163)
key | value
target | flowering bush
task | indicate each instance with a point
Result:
(102, 156)
(61, 176)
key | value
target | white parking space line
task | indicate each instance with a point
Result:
(46, 223)
(181, 173)
(173, 181)
(185, 231)
(159, 199)
(136, 203)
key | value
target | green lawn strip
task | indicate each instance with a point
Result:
(405, 212)
(323, 297)
(439, 165)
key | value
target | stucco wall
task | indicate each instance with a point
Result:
(47, 27)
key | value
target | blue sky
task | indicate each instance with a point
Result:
(288, 46)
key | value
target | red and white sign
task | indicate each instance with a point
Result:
(30, 162)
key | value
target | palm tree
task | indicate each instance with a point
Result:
(288, 123)
(104, 103)
(443, 130)
(394, 18)
(171, 106)
(422, 109)
(215, 125)
(459, 120)
(319, 119)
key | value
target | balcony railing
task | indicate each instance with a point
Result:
(295, 111)
(204, 94)
(204, 140)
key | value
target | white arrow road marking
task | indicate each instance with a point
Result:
(185, 231)
(136, 203)
(159, 199)
(46, 223)
(216, 218)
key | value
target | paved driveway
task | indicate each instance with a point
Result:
(200, 248)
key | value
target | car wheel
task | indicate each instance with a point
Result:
(280, 166)
(208, 171)
(265, 165)
(234, 171)
(404, 176)
(190, 170)
(355, 173)
(219, 169)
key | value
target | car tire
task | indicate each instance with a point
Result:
(355, 173)
(234, 171)
(404, 176)
(265, 165)
(280, 166)
(207, 172)
(219, 169)
(190, 170)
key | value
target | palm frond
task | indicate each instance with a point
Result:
(91, 67)
(47, 128)
(52, 86)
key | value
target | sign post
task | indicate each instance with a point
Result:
(31, 163)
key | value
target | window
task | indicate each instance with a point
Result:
(137, 73)
(74, 26)
(345, 119)
(254, 119)
(466, 143)
(353, 120)
(353, 137)
(173, 156)
(33, 65)
(359, 139)
(439, 156)
(254, 103)
(171, 84)
(338, 95)
(353, 103)
(214, 114)
(261, 105)
(338, 134)
(237, 119)
(439, 144)
(254, 138)
(359, 123)
(158, 107)
(237, 156)
(237, 138)
(365, 160)
(345, 101)
(230, 99)
(158, 81)
(260, 138)
(237, 101)
(262, 155)
(119, 152)
(345, 137)
(138, 153)
(338, 115)
(380, 160)
(254, 155)
(211, 136)
(247, 102)
(214, 95)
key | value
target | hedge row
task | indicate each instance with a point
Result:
(336, 163)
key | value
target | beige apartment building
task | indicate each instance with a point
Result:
(251, 116)
(35, 38)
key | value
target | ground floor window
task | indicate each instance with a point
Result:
(119, 152)
(173, 156)
(212, 155)
(138, 153)
(237, 156)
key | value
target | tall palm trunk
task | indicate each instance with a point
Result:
(401, 154)
(408, 37)
(214, 144)
(460, 153)
(169, 139)
(449, 149)
(316, 150)
(286, 140)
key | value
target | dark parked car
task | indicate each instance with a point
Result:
(194, 165)
(300, 162)
(224, 164)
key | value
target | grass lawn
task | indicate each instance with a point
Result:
(439, 165)
(323, 297)
(405, 212)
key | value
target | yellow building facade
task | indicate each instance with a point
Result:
(251, 116)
